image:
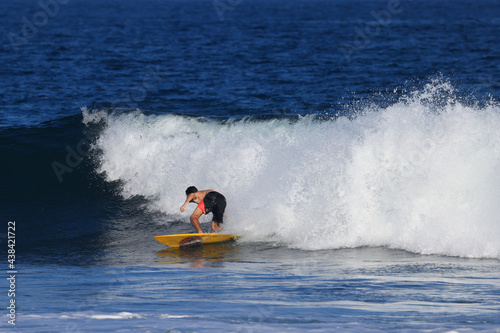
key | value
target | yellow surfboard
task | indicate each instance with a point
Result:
(181, 240)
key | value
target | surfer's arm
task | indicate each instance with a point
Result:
(188, 199)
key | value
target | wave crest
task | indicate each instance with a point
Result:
(420, 175)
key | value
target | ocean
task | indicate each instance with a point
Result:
(357, 144)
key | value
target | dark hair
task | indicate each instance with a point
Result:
(191, 189)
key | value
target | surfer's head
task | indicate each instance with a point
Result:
(191, 189)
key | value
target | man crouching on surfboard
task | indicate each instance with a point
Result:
(209, 201)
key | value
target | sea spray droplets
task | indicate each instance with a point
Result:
(410, 176)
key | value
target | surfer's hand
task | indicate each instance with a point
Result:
(183, 208)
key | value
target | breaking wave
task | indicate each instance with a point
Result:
(422, 174)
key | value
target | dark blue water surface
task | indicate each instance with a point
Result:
(222, 61)
(256, 57)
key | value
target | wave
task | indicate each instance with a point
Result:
(51, 210)
(421, 174)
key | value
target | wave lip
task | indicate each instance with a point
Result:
(420, 175)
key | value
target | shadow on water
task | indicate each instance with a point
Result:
(199, 256)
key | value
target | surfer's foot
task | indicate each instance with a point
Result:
(219, 229)
(216, 227)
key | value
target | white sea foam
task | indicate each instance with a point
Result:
(101, 316)
(421, 175)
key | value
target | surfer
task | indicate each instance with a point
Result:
(209, 201)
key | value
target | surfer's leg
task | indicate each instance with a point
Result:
(216, 227)
(194, 220)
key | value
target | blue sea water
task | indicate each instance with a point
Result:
(356, 142)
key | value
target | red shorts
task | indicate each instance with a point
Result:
(215, 203)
